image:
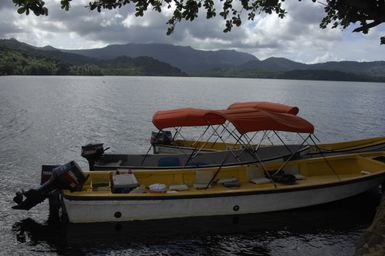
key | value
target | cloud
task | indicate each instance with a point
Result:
(7, 5)
(297, 36)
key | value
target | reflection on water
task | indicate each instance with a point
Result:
(320, 230)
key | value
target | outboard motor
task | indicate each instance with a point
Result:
(67, 176)
(161, 137)
(93, 152)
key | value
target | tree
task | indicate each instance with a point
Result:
(342, 13)
(339, 13)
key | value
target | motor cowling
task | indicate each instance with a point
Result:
(67, 176)
(161, 137)
(92, 152)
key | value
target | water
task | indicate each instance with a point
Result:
(45, 120)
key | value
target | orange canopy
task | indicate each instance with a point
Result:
(186, 117)
(251, 120)
(244, 119)
(268, 106)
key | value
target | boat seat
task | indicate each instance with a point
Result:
(124, 182)
(202, 178)
(293, 170)
(178, 187)
(230, 182)
(262, 180)
(226, 180)
(256, 175)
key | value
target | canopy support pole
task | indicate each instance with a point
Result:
(252, 138)
(238, 140)
(260, 142)
(285, 143)
(178, 131)
(148, 151)
(219, 135)
(191, 156)
(267, 174)
(205, 143)
(175, 133)
(326, 160)
(199, 138)
(218, 170)
(291, 156)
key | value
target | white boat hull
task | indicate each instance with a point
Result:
(107, 210)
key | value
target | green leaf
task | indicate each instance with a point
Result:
(21, 10)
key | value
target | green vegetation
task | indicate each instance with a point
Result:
(328, 75)
(145, 66)
(28, 61)
(18, 62)
(18, 58)
(15, 62)
(241, 72)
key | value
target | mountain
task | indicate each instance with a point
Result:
(47, 51)
(184, 57)
(273, 65)
(18, 58)
(330, 75)
(144, 66)
(221, 62)
(373, 68)
(171, 60)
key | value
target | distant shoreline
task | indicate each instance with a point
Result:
(272, 78)
(18, 58)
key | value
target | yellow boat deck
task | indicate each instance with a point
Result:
(313, 172)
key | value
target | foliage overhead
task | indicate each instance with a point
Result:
(339, 13)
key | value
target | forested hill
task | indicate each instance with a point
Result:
(22, 59)
(18, 58)
(186, 58)
(237, 64)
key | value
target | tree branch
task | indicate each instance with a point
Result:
(366, 27)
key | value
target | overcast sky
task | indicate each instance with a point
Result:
(297, 36)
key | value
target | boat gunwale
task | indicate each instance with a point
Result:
(324, 147)
(347, 150)
(301, 149)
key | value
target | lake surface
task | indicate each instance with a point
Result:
(45, 120)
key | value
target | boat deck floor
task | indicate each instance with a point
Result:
(220, 189)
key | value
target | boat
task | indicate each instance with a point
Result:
(258, 117)
(131, 195)
(241, 120)
(163, 142)
(352, 146)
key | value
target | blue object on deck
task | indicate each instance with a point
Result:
(196, 164)
(169, 161)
